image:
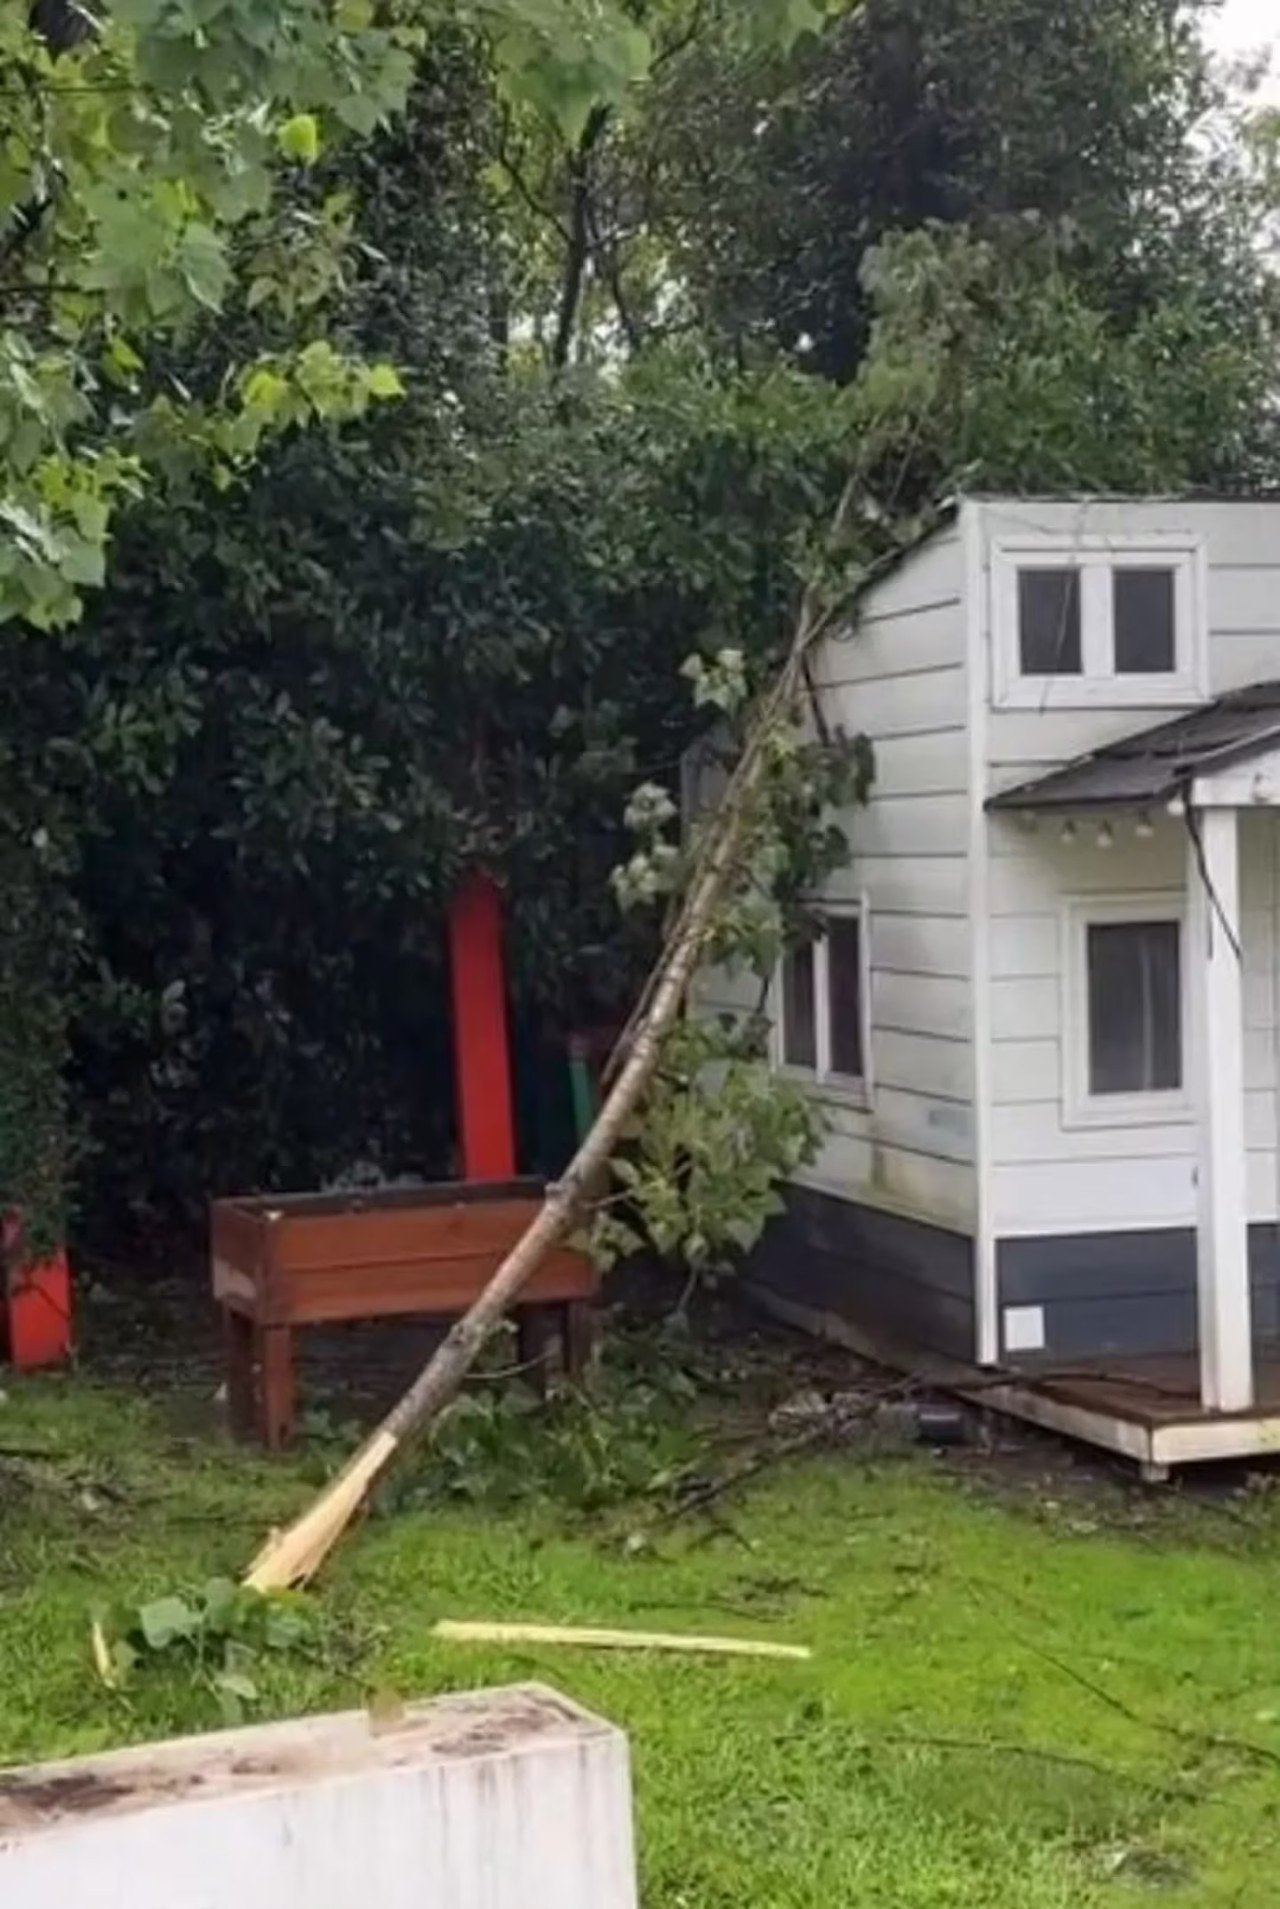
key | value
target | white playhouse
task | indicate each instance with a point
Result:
(1045, 1016)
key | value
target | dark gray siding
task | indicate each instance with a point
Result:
(899, 1276)
(1126, 1293)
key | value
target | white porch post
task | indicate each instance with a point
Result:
(1217, 1001)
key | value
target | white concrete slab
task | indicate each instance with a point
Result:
(504, 1799)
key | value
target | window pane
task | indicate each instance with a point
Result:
(1146, 642)
(1049, 622)
(1135, 1007)
(799, 1020)
(844, 989)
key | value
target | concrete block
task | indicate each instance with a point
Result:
(502, 1799)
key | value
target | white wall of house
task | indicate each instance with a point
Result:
(899, 676)
(1048, 1173)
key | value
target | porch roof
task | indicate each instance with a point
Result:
(1150, 768)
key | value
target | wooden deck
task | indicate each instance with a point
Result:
(1148, 1409)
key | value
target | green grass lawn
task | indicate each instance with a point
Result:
(1032, 1686)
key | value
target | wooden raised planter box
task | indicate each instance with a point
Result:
(314, 1258)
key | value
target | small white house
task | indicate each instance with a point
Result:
(1045, 1019)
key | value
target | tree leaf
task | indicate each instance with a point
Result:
(238, 1684)
(203, 262)
(166, 1621)
(383, 381)
(299, 138)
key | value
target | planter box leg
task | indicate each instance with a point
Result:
(579, 1337)
(275, 1354)
(534, 1337)
(237, 1344)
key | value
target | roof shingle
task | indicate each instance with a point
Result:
(1154, 766)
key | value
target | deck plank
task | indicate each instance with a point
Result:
(1158, 1389)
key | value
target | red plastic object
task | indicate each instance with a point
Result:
(483, 1063)
(37, 1302)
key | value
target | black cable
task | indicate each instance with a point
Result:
(1193, 830)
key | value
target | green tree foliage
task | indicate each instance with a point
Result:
(34, 1158)
(448, 634)
(141, 156)
(137, 156)
(718, 1130)
(1088, 154)
(576, 190)
(287, 732)
(1028, 383)
(164, 258)
(137, 170)
(777, 177)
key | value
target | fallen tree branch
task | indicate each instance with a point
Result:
(294, 1556)
(705, 1494)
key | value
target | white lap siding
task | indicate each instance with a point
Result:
(1048, 1176)
(899, 676)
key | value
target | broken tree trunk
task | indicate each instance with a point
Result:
(293, 1556)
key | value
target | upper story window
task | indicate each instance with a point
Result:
(1099, 622)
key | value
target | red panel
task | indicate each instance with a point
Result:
(37, 1304)
(482, 1056)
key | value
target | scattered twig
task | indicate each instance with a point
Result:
(1201, 1739)
(908, 1739)
(530, 197)
(499, 1375)
(705, 1494)
(1222, 1507)
(826, 1430)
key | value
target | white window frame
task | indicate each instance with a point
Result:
(1096, 558)
(833, 1086)
(1081, 1108)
